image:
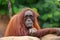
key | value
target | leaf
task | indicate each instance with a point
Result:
(56, 13)
(47, 25)
(50, 25)
(50, 15)
(35, 9)
(2, 12)
(13, 1)
(44, 17)
(16, 10)
(4, 2)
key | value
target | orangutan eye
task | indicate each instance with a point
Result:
(31, 15)
(26, 16)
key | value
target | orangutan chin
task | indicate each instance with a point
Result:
(25, 24)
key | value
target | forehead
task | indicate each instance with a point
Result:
(28, 12)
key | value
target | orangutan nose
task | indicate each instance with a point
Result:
(29, 19)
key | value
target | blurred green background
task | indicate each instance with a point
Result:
(49, 10)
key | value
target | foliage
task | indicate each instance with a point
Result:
(49, 10)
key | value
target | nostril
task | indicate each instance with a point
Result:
(29, 19)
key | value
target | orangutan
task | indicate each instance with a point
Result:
(25, 24)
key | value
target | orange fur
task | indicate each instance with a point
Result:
(16, 26)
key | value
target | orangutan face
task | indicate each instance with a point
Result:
(29, 17)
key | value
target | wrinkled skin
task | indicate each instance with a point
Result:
(28, 17)
(29, 21)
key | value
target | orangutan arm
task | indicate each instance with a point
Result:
(46, 31)
(11, 29)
